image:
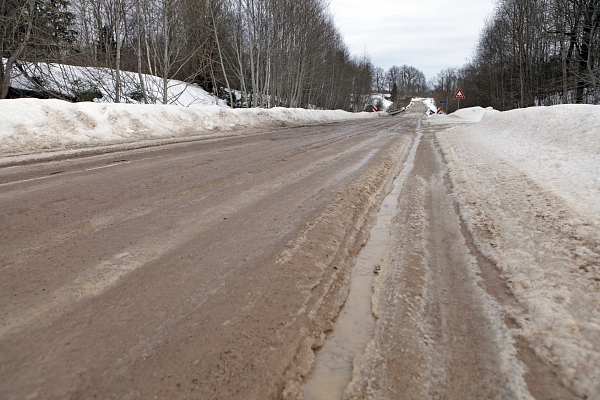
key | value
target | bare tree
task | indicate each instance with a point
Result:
(16, 26)
(537, 52)
(275, 52)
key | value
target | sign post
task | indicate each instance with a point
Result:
(444, 103)
(460, 95)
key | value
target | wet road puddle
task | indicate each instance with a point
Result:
(355, 325)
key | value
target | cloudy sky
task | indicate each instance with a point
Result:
(430, 35)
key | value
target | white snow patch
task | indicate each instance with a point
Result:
(30, 125)
(385, 102)
(430, 103)
(464, 116)
(558, 147)
(69, 80)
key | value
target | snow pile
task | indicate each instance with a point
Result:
(431, 107)
(380, 99)
(528, 185)
(557, 147)
(464, 116)
(98, 84)
(29, 125)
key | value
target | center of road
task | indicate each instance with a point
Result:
(355, 325)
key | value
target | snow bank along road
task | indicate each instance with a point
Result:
(213, 269)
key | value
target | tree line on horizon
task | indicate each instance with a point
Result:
(531, 53)
(265, 53)
(400, 82)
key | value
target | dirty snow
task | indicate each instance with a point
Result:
(528, 185)
(29, 125)
(558, 147)
(32, 125)
(430, 103)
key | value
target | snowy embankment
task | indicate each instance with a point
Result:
(98, 84)
(378, 99)
(558, 147)
(430, 103)
(528, 185)
(32, 125)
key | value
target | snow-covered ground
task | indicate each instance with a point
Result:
(379, 98)
(528, 185)
(32, 125)
(430, 103)
(98, 84)
(558, 147)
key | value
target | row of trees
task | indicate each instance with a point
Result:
(264, 53)
(32, 29)
(532, 52)
(252, 52)
(400, 82)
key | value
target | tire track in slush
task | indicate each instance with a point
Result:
(107, 274)
(355, 325)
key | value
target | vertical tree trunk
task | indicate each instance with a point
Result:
(118, 17)
(166, 61)
(214, 24)
(139, 52)
(151, 65)
(564, 65)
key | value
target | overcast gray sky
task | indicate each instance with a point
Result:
(430, 35)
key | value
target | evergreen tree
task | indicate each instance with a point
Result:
(53, 35)
(394, 95)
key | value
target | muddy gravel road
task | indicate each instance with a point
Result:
(200, 270)
(214, 269)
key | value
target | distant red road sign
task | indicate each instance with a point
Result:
(459, 95)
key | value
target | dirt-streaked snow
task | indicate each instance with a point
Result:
(558, 147)
(528, 185)
(29, 125)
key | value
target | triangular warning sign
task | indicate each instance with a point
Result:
(459, 94)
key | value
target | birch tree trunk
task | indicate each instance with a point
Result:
(139, 51)
(118, 17)
(166, 58)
